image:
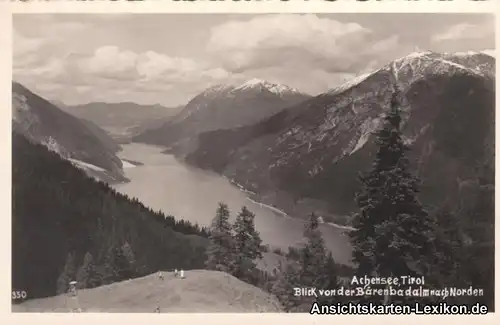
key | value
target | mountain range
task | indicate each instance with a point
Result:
(122, 120)
(222, 107)
(297, 152)
(308, 156)
(80, 141)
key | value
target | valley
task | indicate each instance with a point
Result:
(125, 190)
(312, 152)
(122, 120)
(164, 183)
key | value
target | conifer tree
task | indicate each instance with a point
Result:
(107, 270)
(313, 256)
(116, 266)
(128, 253)
(287, 278)
(68, 274)
(87, 275)
(122, 266)
(450, 253)
(332, 280)
(449, 246)
(247, 245)
(394, 233)
(220, 249)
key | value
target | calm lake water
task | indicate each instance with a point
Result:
(167, 184)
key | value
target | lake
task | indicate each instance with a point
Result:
(167, 184)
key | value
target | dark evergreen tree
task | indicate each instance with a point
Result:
(313, 256)
(449, 259)
(122, 269)
(107, 272)
(479, 244)
(332, 280)
(293, 253)
(247, 246)
(87, 275)
(449, 247)
(220, 249)
(287, 278)
(394, 234)
(116, 266)
(68, 274)
(128, 253)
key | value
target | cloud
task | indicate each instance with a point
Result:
(113, 71)
(465, 31)
(288, 48)
(25, 50)
(110, 62)
(294, 41)
(81, 58)
(52, 70)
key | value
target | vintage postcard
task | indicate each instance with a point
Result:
(314, 163)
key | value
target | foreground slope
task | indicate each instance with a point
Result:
(43, 122)
(200, 291)
(60, 215)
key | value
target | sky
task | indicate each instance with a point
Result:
(168, 59)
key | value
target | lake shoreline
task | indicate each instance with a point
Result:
(253, 196)
(167, 183)
(275, 209)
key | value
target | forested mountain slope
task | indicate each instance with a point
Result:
(316, 149)
(63, 221)
(84, 143)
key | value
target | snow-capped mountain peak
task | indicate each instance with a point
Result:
(351, 83)
(252, 83)
(256, 83)
(217, 88)
(418, 64)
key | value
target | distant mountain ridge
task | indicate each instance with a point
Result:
(84, 143)
(223, 107)
(309, 155)
(418, 64)
(123, 120)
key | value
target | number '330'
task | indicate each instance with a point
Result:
(19, 295)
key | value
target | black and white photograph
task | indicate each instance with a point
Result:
(252, 163)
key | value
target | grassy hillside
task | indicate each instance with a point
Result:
(200, 291)
(60, 215)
